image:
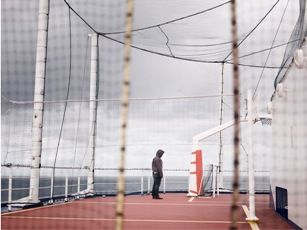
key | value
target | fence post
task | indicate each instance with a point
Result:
(218, 179)
(148, 185)
(66, 189)
(10, 192)
(142, 183)
(79, 184)
(51, 190)
(213, 180)
(164, 179)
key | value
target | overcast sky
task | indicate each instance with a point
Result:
(168, 124)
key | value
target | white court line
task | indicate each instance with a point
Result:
(31, 209)
(253, 224)
(159, 204)
(128, 220)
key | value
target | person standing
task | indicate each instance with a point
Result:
(157, 172)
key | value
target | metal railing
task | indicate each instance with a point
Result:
(138, 181)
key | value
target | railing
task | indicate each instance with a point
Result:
(138, 181)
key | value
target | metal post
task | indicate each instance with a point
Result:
(148, 185)
(39, 93)
(66, 188)
(10, 188)
(164, 183)
(251, 176)
(221, 154)
(213, 180)
(51, 190)
(93, 110)
(79, 184)
(218, 181)
(142, 184)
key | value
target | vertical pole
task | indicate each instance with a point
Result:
(93, 110)
(251, 176)
(66, 188)
(39, 93)
(148, 185)
(78, 185)
(142, 183)
(213, 180)
(218, 182)
(10, 192)
(51, 189)
(236, 103)
(124, 118)
(164, 183)
(221, 156)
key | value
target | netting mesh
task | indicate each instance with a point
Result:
(181, 84)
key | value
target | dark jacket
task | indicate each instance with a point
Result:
(157, 163)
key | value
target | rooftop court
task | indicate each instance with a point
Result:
(175, 211)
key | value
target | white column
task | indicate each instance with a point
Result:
(251, 176)
(39, 92)
(66, 188)
(142, 182)
(93, 109)
(10, 191)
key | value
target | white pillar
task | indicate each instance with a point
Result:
(93, 110)
(78, 189)
(39, 92)
(66, 189)
(142, 183)
(251, 176)
(10, 191)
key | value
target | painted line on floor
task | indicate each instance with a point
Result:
(253, 224)
(112, 219)
(32, 209)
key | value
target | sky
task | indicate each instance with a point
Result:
(168, 120)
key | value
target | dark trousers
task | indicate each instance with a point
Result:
(156, 185)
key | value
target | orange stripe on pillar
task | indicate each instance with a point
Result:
(199, 170)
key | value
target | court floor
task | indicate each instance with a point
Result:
(175, 211)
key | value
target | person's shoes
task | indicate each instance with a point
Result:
(159, 198)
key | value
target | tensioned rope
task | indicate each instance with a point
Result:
(167, 41)
(67, 95)
(116, 99)
(268, 56)
(254, 28)
(172, 21)
(80, 105)
(106, 35)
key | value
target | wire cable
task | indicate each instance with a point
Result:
(171, 21)
(67, 95)
(167, 41)
(255, 27)
(268, 56)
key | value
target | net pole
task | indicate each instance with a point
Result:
(236, 102)
(124, 118)
(93, 110)
(39, 94)
(221, 157)
(251, 173)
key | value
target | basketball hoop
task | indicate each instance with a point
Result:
(265, 121)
